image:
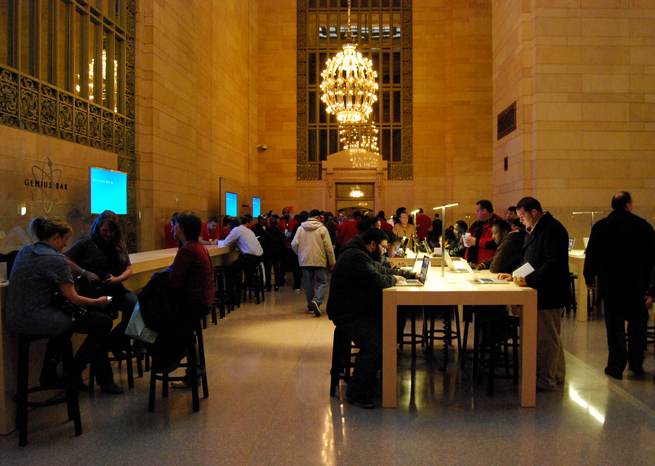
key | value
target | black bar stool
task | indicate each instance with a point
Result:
(23, 389)
(415, 338)
(221, 295)
(253, 282)
(342, 360)
(127, 357)
(500, 332)
(195, 368)
(446, 335)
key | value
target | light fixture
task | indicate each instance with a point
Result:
(349, 88)
(356, 192)
(360, 136)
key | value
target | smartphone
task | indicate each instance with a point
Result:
(109, 298)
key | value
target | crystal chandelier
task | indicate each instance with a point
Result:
(362, 136)
(349, 88)
(356, 192)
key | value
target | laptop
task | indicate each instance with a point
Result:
(458, 266)
(571, 243)
(485, 280)
(422, 279)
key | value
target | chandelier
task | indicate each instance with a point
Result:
(349, 88)
(356, 192)
(362, 136)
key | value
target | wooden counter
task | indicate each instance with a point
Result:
(144, 264)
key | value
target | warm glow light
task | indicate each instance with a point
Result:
(356, 192)
(359, 136)
(104, 78)
(349, 88)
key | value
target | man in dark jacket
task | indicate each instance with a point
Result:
(355, 307)
(622, 278)
(546, 249)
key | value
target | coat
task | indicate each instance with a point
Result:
(313, 245)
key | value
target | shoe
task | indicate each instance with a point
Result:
(296, 290)
(614, 373)
(111, 388)
(315, 308)
(636, 370)
(276, 288)
(364, 403)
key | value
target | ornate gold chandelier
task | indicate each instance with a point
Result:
(349, 88)
(362, 136)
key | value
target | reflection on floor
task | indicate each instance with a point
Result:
(269, 404)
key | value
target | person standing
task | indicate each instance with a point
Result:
(480, 244)
(423, 224)
(546, 248)
(622, 278)
(315, 253)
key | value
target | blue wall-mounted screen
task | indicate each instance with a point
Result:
(231, 204)
(108, 191)
(256, 207)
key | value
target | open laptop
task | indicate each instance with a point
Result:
(571, 243)
(484, 280)
(455, 266)
(424, 275)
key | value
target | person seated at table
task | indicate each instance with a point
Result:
(40, 286)
(169, 239)
(509, 254)
(242, 238)
(404, 229)
(225, 230)
(101, 261)
(355, 307)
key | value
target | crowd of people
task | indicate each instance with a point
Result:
(81, 290)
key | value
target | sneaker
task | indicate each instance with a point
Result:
(364, 403)
(315, 308)
(614, 373)
(111, 388)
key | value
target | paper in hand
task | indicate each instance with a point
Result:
(523, 271)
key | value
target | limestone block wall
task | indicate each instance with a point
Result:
(583, 75)
(196, 108)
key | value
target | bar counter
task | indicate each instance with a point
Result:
(144, 264)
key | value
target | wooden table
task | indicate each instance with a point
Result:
(144, 264)
(576, 266)
(460, 289)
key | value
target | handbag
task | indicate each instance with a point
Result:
(137, 329)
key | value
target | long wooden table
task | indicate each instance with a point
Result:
(456, 289)
(144, 264)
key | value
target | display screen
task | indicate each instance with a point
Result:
(108, 191)
(256, 207)
(231, 204)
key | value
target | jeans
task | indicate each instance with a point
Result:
(315, 276)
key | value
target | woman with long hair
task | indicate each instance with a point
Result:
(39, 285)
(101, 261)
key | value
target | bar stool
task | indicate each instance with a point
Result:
(197, 368)
(221, 295)
(499, 333)
(253, 282)
(127, 348)
(414, 337)
(342, 361)
(23, 389)
(445, 335)
(572, 305)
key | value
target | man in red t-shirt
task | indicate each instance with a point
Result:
(423, 224)
(384, 225)
(210, 231)
(348, 229)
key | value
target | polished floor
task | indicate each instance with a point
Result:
(269, 404)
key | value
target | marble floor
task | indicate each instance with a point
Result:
(269, 404)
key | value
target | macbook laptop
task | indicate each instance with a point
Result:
(571, 243)
(457, 266)
(484, 280)
(424, 275)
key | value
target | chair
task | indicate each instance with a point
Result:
(196, 369)
(446, 335)
(23, 390)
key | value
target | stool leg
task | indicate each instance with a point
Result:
(335, 372)
(202, 365)
(70, 377)
(128, 363)
(21, 390)
(192, 374)
(153, 388)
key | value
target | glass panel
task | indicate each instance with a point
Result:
(312, 3)
(385, 3)
(386, 72)
(105, 78)
(375, 3)
(334, 140)
(375, 30)
(385, 143)
(94, 83)
(386, 104)
(119, 73)
(62, 46)
(322, 30)
(397, 107)
(26, 30)
(311, 109)
(312, 30)
(322, 114)
(395, 69)
(312, 149)
(386, 22)
(5, 53)
(364, 3)
(78, 60)
(311, 69)
(46, 42)
(397, 146)
(395, 31)
(323, 143)
(364, 30)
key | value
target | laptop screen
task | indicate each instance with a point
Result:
(424, 269)
(571, 243)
